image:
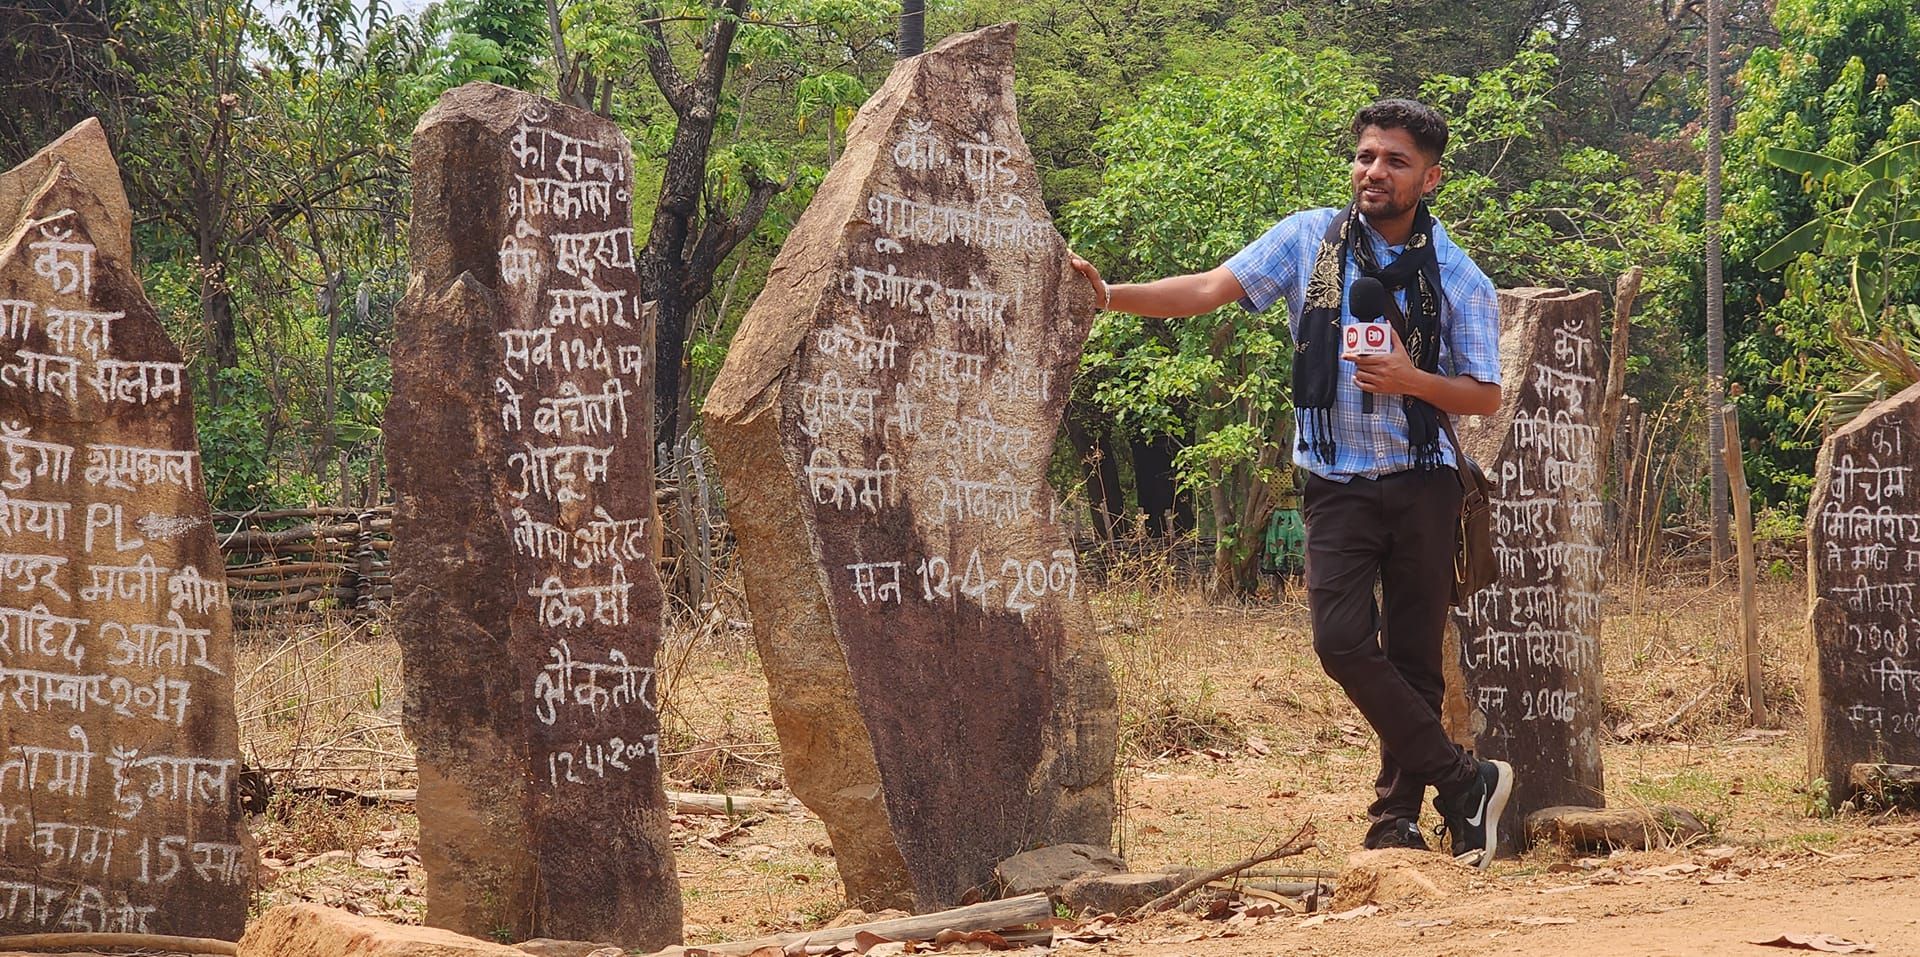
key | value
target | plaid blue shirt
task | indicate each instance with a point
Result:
(1275, 267)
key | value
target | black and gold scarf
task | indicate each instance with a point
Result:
(1316, 362)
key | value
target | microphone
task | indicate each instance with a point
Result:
(1368, 301)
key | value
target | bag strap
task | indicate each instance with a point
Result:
(1459, 451)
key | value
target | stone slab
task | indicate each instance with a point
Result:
(1117, 893)
(1604, 829)
(1524, 671)
(313, 930)
(883, 423)
(1863, 550)
(1045, 869)
(519, 439)
(119, 748)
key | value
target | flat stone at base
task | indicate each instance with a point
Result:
(310, 930)
(1397, 874)
(550, 947)
(1117, 893)
(1635, 828)
(1888, 782)
(1046, 869)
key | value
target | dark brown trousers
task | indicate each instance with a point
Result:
(1398, 531)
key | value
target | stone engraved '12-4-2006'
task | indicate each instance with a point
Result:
(916, 602)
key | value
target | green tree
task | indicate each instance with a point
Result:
(1843, 76)
(1253, 148)
(1868, 232)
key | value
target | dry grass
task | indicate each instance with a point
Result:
(320, 704)
(1231, 733)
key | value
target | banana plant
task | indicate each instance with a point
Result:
(1873, 226)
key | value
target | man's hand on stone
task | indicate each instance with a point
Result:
(1101, 295)
(1390, 374)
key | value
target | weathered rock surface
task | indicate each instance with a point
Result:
(1863, 547)
(1524, 668)
(883, 425)
(1392, 875)
(1600, 829)
(1045, 869)
(119, 750)
(1117, 893)
(311, 930)
(519, 441)
(550, 947)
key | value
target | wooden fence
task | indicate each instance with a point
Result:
(279, 564)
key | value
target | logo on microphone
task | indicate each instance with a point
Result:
(1368, 339)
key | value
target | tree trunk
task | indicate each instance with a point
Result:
(1716, 296)
(662, 265)
(1154, 482)
(913, 27)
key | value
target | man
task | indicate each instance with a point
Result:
(1382, 498)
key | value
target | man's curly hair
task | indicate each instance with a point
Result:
(1422, 122)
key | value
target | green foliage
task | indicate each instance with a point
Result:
(1867, 230)
(1842, 83)
(1253, 148)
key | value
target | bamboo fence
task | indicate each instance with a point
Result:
(297, 563)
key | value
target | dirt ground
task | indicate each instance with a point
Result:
(1232, 739)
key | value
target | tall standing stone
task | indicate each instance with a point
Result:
(119, 750)
(1863, 542)
(883, 426)
(519, 438)
(1527, 685)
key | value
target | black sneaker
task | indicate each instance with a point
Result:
(1396, 832)
(1472, 817)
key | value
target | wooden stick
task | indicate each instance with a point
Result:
(1743, 533)
(1625, 291)
(683, 802)
(1293, 874)
(1299, 843)
(1680, 714)
(992, 915)
(83, 942)
(731, 804)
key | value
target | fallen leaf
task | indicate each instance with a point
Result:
(1668, 872)
(1182, 938)
(1825, 943)
(1364, 910)
(867, 940)
(994, 941)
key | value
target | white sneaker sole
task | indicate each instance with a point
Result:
(1496, 806)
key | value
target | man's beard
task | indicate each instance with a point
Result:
(1385, 208)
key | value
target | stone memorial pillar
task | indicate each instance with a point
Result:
(519, 438)
(883, 426)
(1527, 685)
(119, 751)
(1863, 543)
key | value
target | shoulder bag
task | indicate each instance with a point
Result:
(1474, 564)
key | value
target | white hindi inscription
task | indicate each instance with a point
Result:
(107, 621)
(569, 366)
